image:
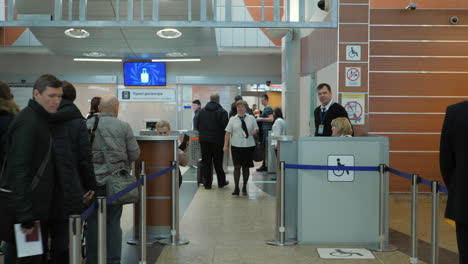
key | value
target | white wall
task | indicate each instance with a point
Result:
(329, 75)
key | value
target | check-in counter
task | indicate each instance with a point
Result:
(334, 207)
(158, 152)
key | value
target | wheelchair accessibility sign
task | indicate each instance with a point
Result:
(341, 175)
(345, 253)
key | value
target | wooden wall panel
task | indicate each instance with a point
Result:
(405, 123)
(353, 33)
(411, 104)
(424, 164)
(319, 50)
(354, 14)
(419, 48)
(342, 72)
(419, 64)
(364, 56)
(354, 1)
(418, 33)
(413, 142)
(417, 17)
(418, 84)
(400, 4)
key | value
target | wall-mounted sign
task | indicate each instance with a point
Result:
(353, 52)
(341, 175)
(147, 95)
(353, 76)
(355, 105)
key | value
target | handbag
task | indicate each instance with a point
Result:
(119, 179)
(259, 151)
(7, 220)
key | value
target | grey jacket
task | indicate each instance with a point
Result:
(115, 137)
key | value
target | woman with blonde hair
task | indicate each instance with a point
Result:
(163, 128)
(341, 127)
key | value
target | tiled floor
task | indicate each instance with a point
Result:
(226, 229)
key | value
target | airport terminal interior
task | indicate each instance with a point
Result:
(393, 65)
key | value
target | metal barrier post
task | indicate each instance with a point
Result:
(102, 230)
(435, 222)
(74, 233)
(134, 241)
(414, 219)
(174, 239)
(383, 246)
(281, 211)
(143, 214)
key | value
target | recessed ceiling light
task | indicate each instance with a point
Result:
(97, 59)
(94, 54)
(77, 33)
(169, 33)
(176, 60)
(177, 54)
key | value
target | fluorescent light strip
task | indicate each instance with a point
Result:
(99, 60)
(176, 60)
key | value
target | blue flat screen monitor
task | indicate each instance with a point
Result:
(144, 73)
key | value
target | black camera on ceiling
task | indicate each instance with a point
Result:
(321, 4)
(268, 83)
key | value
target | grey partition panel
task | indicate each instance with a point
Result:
(340, 213)
(288, 153)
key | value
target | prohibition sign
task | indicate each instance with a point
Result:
(355, 110)
(353, 74)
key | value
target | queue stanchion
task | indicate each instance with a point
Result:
(383, 245)
(281, 211)
(134, 240)
(414, 218)
(74, 236)
(143, 214)
(435, 223)
(102, 230)
(174, 239)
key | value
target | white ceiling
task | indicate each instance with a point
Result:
(124, 42)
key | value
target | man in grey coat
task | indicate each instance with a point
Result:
(114, 148)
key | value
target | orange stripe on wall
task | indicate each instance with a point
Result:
(420, 3)
(405, 122)
(413, 142)
(256, 13)
(411, 104)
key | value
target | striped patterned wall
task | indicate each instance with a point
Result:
(418, 65)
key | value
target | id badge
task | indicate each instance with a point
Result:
(320, 129)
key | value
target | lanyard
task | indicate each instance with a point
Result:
(323, 116)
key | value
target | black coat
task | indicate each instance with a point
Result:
(74, 167)
(335, 111)
(7, 112)
(453, 161)
(211, 123)
(29, 138)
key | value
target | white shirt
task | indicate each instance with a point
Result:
(279, 129)
(237, 133)
(326, 107)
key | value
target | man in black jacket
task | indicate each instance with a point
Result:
(453, 167)
(29, 146)
(76, 182)
(211, 122)
(327, 111)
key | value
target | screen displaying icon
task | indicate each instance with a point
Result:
(144, 73)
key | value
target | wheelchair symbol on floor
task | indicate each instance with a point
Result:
(344, 254)
(339, 173)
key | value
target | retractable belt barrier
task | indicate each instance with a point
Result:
(415, 180)
(129, 188)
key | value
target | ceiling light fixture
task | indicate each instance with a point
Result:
(177, 54)
(98, 60)
(169, 33)
(176, 60)
(76, 33)
(94, 54)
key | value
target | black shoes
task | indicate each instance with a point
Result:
(244, 190)
(262, 168)
(236, 192)
(207, 187)
(225, 184)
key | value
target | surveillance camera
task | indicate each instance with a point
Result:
(324, 5)
(411, 6)
(268, 83)
(454, 20)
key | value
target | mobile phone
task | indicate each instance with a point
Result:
(184, 142)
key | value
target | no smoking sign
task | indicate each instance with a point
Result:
(353, 76)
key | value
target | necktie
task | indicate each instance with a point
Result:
(244, 126)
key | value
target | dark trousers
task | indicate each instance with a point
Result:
(59, 239)
(212, 153)
(462, 241)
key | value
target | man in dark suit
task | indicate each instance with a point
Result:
(453, 167)
(327, 111)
